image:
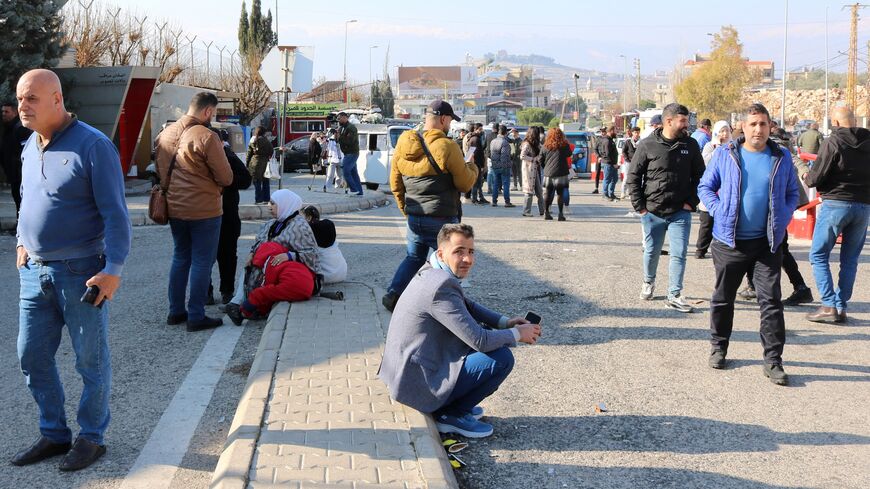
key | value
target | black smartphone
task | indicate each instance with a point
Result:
(91, 295)
(533, 318)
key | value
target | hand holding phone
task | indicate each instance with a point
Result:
(90, 296)
(533, 318)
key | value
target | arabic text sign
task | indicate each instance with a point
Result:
(309, 110)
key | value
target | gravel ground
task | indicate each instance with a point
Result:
(149, 360)
(671, 421)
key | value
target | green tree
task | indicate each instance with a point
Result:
(256, 39)
(646, 103)
(244, 27)
(31, 39)
(715, 88)
(535, 116)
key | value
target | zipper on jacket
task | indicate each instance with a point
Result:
(770, 235)
(739, 186)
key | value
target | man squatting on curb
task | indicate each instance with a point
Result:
(437, 358)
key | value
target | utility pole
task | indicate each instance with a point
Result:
(637, 74)
(577, 96)
(564, 103)
(852, 74)
(827, 101)
(784, 68)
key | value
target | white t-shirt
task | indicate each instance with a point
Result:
(332, 264)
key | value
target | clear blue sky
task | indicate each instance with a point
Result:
(581, 34)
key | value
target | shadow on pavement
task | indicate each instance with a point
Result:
(582, 477)
(674, 434)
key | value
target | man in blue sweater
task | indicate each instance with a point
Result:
(73, 235)
(751, 190)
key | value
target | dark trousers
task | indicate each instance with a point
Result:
(789, 264)
(477, 188)
(598, 173)
(731, 265)
(227, 259)
(554, 187)
(13, 176)
(705, 232)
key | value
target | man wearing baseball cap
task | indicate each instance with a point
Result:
(427, 174)
(654, 123)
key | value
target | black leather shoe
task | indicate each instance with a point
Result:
(173, 319)
(776, 374)
(226, 298)
(717, 359)
(390, 300)
(203, 324)
(234, 313)
(82, 455)
(801, 295)
(42, 449)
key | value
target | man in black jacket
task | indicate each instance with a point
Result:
(231, 224)
(628, 149)
(14, 137)
(663, 184)
(476, 141)
(841, 174)
(609, 158)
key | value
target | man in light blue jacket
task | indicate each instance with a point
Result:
(750, 189)
(437, 358)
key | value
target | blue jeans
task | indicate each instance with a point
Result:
(837, 217)
(677, 226)
(351, 175)
(196, 244)
(611, 176)
(501, 182)
(49, 299)
(261, 190)
(480, 377)
(422, 234)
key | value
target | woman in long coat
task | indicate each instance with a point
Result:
(530, 154)
(260, 151)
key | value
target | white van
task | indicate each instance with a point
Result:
(376, 145)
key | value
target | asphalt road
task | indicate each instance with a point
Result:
(671, 422)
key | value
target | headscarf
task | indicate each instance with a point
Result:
(716, 128)
(287, 202)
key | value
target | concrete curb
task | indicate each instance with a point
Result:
(251, 212)
(436, 468)
(234, 464)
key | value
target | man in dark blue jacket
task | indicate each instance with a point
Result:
(751, 190)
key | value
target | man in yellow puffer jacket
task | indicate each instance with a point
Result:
(427, 189)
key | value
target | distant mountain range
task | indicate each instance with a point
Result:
(562, 77)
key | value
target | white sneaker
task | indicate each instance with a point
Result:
(646, 292)
(678, 303)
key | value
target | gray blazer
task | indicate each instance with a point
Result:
(434, 327)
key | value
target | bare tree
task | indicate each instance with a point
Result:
(253, 93)
(87, 29)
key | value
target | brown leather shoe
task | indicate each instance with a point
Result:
(826, 315)
(82, 454)
(42, 449)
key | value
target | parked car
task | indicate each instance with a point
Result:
(296, 154)
(580, 153)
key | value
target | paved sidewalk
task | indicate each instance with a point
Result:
(332, 202)
(314, 413)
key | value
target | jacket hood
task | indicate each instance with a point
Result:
(413, 151)
(854, 137)
(265, 250)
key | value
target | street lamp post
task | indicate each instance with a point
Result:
(371, 80)
(346, 94)
(624, 90)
